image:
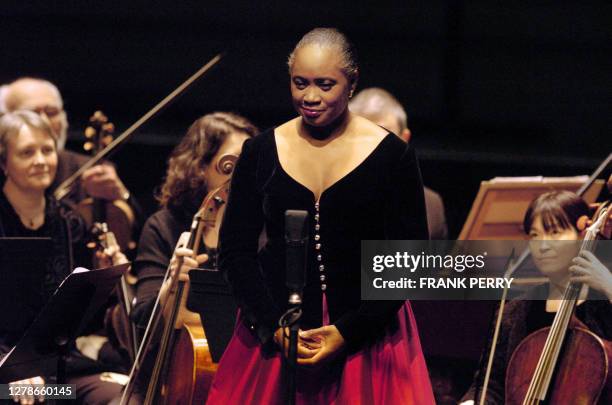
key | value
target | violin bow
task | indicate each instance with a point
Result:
(510, 268)
(64, 188)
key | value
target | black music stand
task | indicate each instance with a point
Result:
(42, 349)
(23, 263)
(210, 296)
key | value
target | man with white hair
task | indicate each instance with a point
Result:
(43, 97)
(380, 107)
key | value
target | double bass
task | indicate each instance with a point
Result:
(183, 368)
(565, 363)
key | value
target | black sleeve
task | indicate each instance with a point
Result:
(405, 219)
(154, 252)
(238, 243)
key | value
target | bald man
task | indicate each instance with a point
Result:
(43, 97)
(380, 107)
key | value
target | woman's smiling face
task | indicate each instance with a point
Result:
(552, 249)
(319, 87)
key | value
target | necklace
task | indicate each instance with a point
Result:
(30, 221)
(33, 222)
(33, 215)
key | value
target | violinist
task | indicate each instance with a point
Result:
(28, 158)
(192, 172)
(43, 97)
(357, 181)
(550, 219)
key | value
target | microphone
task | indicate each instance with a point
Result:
(296, 238)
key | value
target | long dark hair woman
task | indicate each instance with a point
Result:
(357, 182)
(193, 170)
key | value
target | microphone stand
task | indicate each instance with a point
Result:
(291, 320)
(296, 237)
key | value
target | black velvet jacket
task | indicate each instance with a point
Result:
(382, 198)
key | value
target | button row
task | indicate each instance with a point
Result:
(318, 246)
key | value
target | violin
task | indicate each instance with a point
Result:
(183, 370)
(117, 214)
(565, 363)
(121, 331)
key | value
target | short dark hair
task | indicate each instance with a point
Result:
(557, 209)
(330, 37)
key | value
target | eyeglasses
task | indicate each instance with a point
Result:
(48, 110)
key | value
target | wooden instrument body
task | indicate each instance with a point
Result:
(583, 375)
(117, 214)
(191, 370)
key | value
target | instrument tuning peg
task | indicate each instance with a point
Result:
(107, 140)
(108, 127)
(90, 132)
(88, 146)
(99, 116)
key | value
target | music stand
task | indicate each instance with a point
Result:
(23, 263)
(498, 210)
(210, 296)
(41, 350)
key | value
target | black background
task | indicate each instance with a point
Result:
(491, 89)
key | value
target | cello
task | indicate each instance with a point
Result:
(565, 363)
(183, 369)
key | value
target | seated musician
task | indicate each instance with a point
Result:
(28, 158)
(550, 217)
(100, 181)
(192, 173)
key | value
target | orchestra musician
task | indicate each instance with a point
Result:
(28, 158)
(100, 181)
(192, 172)
(550, 218)
(382, 108)
(357, 182)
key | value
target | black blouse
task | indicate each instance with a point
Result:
(159, 236)
(63, 226)
(382, 198)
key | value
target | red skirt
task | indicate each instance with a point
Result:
(391, 371)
